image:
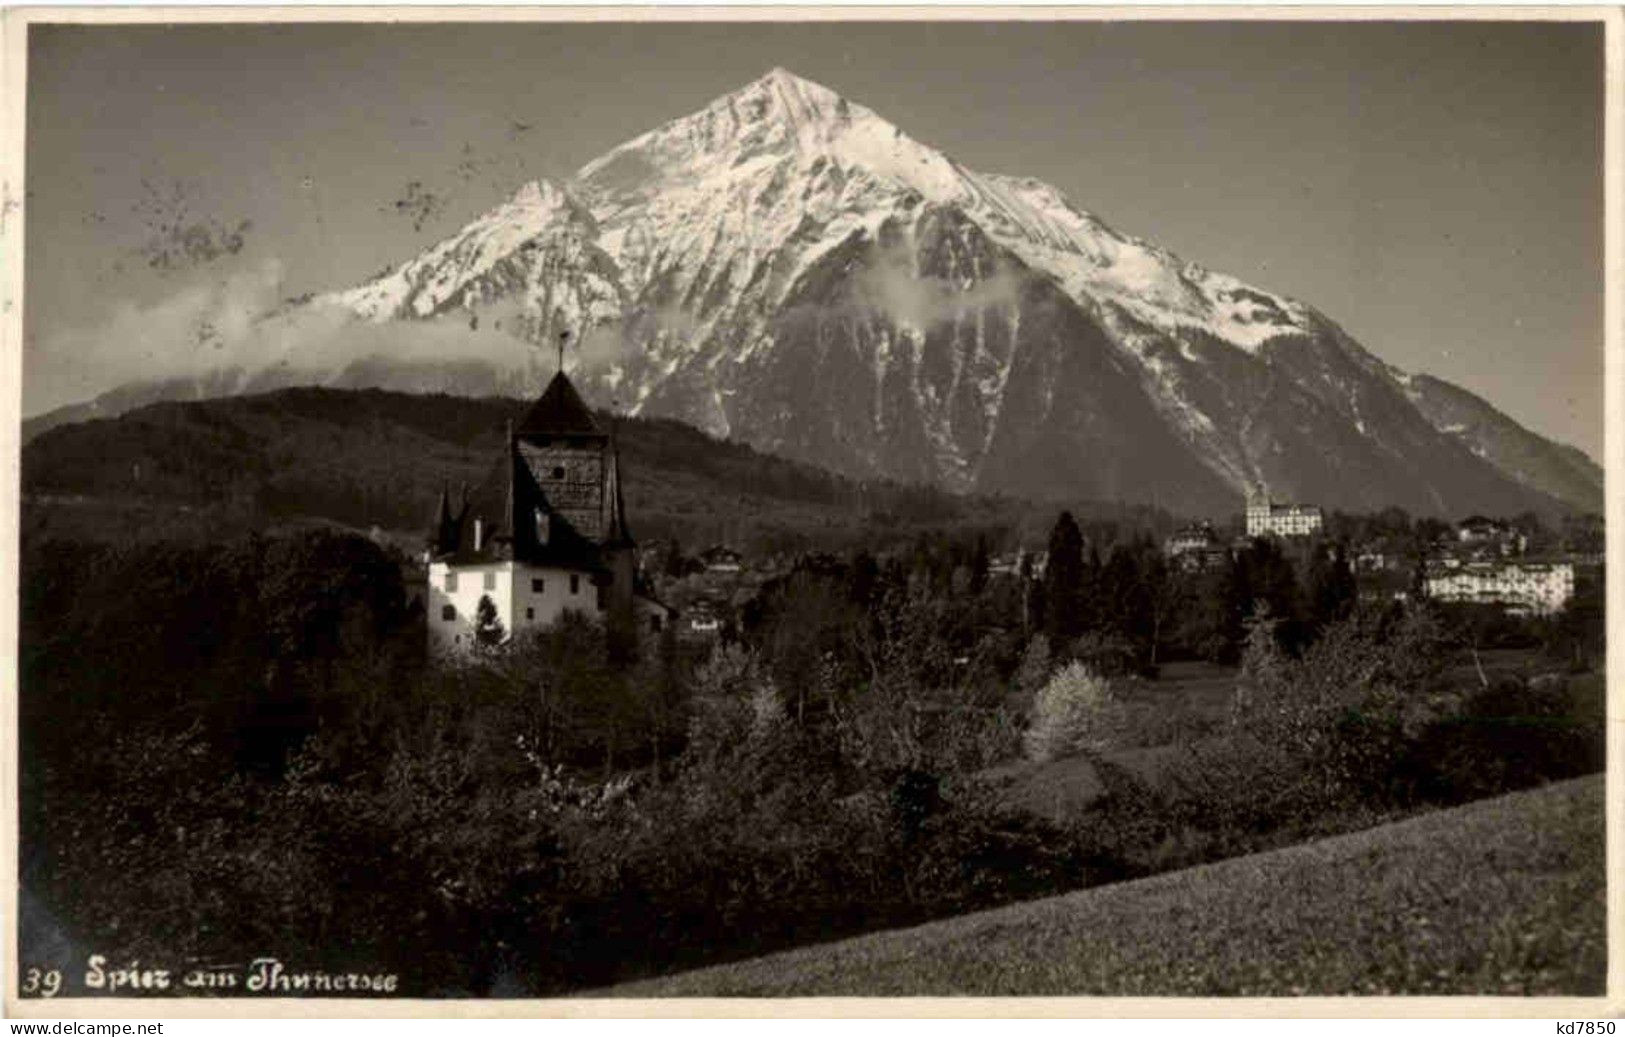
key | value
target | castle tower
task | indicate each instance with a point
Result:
(1258, 510)
(544, 535)
(564, 450)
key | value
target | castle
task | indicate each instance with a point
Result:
(544, 535)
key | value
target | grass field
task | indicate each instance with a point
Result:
(1500, 897)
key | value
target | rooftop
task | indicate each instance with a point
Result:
(560, 411)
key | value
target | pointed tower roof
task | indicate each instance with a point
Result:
(440, 532)
(560, 411)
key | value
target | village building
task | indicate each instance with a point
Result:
(703, 619)
(721, 559)
(1196, 548)
(1373, 560)
(653, 555)
(1526, 588)
(1005, 564)
(1267, 518)
(1383, 554)
(1491, 536)
(545, 534)
(1017, 563)
(1040, 564)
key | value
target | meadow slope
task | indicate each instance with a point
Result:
(1500, 897)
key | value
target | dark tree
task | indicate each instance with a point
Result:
(488, 629)
(673, 565)
(1032, 598)
(1430, 531)
(1418, 589)
(1064, 582)
(1331, 586)
(1115, 594)
(1269, 578)
(1213, 622)
(978, 565)
(865, 583)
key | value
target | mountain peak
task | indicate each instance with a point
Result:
(532, 192)
(797, 90)
(776, 117)
(778, 114)
(778, 74)
(805, 108)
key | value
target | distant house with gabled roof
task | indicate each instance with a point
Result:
(722, 559)
(1196, 548)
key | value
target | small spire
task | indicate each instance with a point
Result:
(442, 534)
(615, 531)
(512, 509)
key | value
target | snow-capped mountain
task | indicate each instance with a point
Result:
(788, 268)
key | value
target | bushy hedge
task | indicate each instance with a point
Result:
(287, 777)
(1365, 725)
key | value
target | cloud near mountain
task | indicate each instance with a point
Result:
(787, 268)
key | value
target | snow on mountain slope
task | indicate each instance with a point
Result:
(739, 155)
(539, 249)
(786, 267)
(1552, 468)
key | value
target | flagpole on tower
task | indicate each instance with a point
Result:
(564, 336)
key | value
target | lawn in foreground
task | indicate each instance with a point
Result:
(1503, 896)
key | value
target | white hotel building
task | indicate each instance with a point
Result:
(1527, 588)
(1267, 518)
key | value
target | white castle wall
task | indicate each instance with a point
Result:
(519, 603)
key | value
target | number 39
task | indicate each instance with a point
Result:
(45, 983)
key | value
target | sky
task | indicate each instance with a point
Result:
(1435, 188)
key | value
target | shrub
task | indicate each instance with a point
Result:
(1511, 735)
(1327, 731)
(1108, 654)
(1072, 713)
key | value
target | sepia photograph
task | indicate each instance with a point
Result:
(819, 504)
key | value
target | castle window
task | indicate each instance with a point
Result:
(530, 613)
(451, 583)
(575, 584)
(448, 612)
(558, 471)
(537, 585)
(490, 581)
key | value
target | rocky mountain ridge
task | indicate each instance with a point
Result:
(787, 268)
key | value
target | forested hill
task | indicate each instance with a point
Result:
(370, 458)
